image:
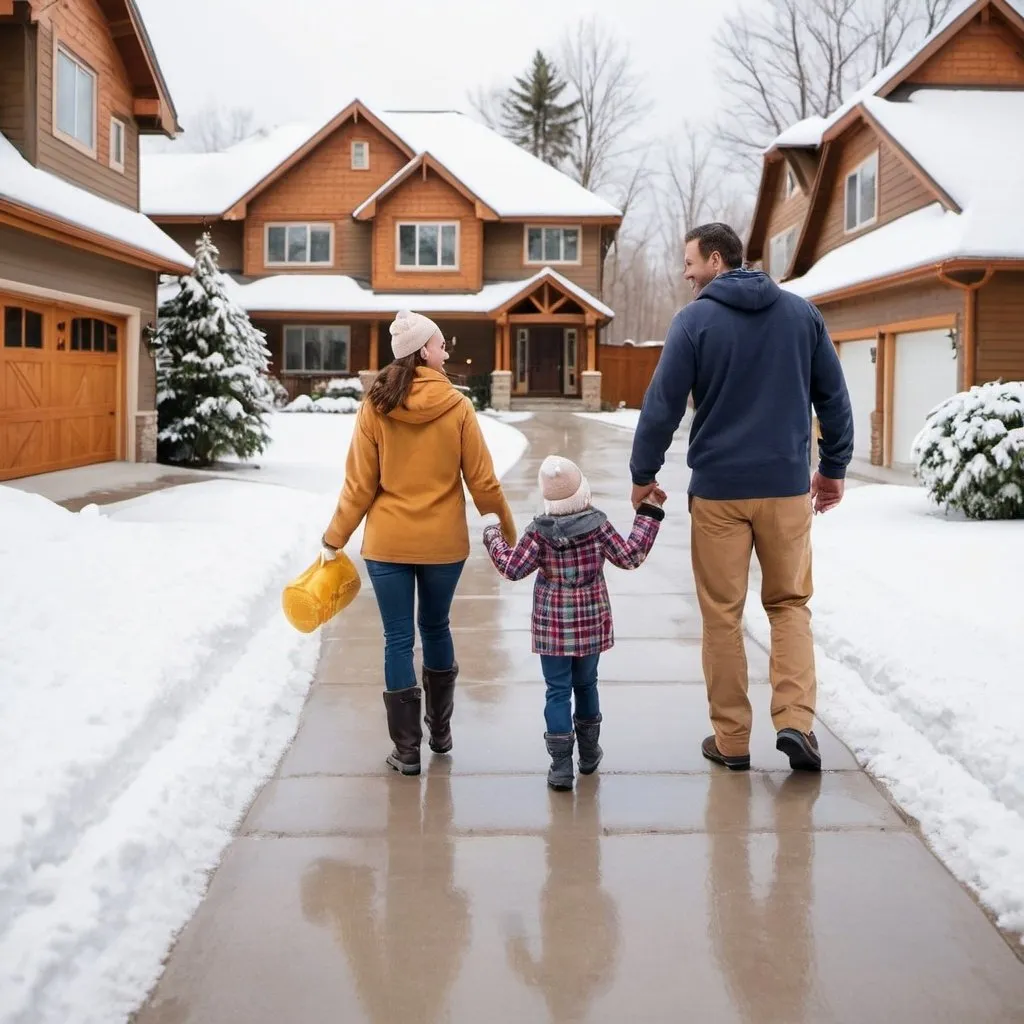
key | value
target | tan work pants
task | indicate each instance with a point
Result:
(723, 534)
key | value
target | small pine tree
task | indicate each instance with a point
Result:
(533, 118)
(211, 371)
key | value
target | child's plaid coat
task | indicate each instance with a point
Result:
(572, 614)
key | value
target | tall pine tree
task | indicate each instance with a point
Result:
(533, 118)
(211, 371)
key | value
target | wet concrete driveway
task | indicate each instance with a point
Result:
(664, 889)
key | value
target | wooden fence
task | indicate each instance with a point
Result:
(626, 371)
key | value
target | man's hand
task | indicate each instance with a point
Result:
(648, 492)
(826, 493)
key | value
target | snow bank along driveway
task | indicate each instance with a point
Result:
(149, 684)
(918, 622)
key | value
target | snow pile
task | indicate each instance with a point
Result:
(304, 403)
(624, 419)
(343, 387)
(970, 454)
(138, 722)
(917, 620)
(25, 185)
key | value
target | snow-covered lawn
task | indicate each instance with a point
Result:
(626, 419)
(918, 620)
(150, 683)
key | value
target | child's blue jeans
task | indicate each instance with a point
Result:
(568, 677)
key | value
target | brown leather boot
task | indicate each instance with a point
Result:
(404, 708)
(439, 699)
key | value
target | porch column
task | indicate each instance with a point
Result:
(374, 345)
(506, 346)
(591, 376)
(501, 378)
(497, 346)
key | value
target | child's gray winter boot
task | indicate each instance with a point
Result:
(560, 774)
(588, 732)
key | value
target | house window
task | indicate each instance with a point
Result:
(117, 144)
(317, 349)
(311, 244)
(862, 194)
(780, 252)
(522, 357)
(360, 156)
(22, 328)
(790, 183)
(75, 101)
(552, 245)
(428, 246)
(90, 335)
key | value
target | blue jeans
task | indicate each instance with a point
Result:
(395, 586)
(567, 677)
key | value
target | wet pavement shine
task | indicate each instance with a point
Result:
(663, 889)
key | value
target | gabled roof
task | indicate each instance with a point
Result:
(154, 108)
(368, 209)
(983, 215)
(811, 131)
(334, 293)
(41, 200)
(505, 178)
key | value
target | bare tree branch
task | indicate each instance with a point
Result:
(217, 128)
(486, 104)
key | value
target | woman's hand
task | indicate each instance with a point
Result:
(327, 553)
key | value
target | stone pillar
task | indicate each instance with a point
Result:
(501, 390)
(366, 378)
(591, 390)
(145, 436)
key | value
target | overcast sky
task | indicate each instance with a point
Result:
(305, 59)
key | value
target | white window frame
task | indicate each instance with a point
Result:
(871, 161)
(314, 327)
(366, 150)
(527, 228)
(429, 268)
(570, 367)
(118, 162)
(791, 183)
(72, 140)
(774, 271)
(267, 262)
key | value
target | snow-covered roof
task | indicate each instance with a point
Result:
(335, 293)
(507, 178)
(982, 178)
(38, 190)
(810, 131)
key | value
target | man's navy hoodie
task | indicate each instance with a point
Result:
(756, 358)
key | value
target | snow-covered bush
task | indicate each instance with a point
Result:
(211, 371)
(279, 391)
(970, 454)
(339, 387)
(306, 403)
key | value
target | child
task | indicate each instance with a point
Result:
(572, 616)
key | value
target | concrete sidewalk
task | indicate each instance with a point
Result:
(664, 889)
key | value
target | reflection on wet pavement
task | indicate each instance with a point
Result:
(664, 889)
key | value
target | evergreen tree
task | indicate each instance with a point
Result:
(533, 118)
(211, 370)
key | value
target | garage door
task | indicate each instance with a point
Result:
(925, 374)
(60, 384)
(859, 371)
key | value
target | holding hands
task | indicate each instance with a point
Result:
(648, 494)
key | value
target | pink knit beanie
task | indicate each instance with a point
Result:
(410, 332)
(564, 487)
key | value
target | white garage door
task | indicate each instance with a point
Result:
(925, 374)
(859, 371)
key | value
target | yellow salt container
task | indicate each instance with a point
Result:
(322, 591)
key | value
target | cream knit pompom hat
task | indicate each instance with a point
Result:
(564, 487)
(410, 332)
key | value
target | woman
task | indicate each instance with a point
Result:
(414, 440)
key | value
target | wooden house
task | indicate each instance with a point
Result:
(328, 230)
(901, 217)
(79, 264)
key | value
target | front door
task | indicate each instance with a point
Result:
(545, 355)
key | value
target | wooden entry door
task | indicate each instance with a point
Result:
(545, 360)
(60, 386)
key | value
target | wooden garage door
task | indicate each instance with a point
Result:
(60, 386)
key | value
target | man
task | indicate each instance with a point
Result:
(755, 358)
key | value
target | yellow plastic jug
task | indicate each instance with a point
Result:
(322, 591)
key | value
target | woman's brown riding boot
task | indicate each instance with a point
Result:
(439, 697)
(404, 708)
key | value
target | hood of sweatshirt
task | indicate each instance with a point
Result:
(561, 531)
(430, 396)
(749, 290)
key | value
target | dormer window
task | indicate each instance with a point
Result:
(780, 252)
(791, 183)
(862, 195)
(74, 102)
(360, 156)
